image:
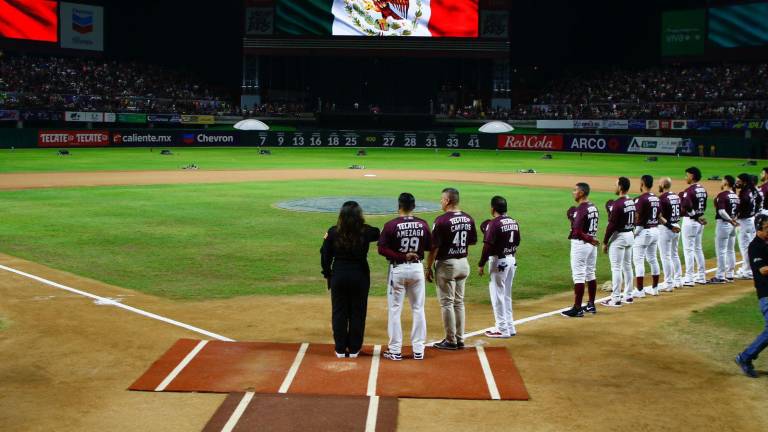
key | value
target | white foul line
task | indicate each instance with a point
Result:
(373, 414)
(179, 367)
(238, 412)
(294, 368)
(111, 302)
(492, 389)
(373, 376)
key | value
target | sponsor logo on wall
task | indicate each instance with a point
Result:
(72, 138)
(587, 143)
(81, 26)
(664, 145)
(531, 142)
(133, 138)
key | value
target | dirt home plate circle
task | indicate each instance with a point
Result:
(370, 205)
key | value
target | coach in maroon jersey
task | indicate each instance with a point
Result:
(583, 236)
(452, 234)
(500, 242)
(403, 241)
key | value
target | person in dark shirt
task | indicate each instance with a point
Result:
(745, 216)
(648, 209)
(583, 236)
(452, 234)
(618, 242)
(758, 260)
(669, 236)
(500, 242)
(344, 259)
(694, 204)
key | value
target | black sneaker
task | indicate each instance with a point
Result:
(746, 366)
(590, 308)
(460, 344)
(392, 356)
(573, 313)
(445, 345)
(716, 280)
(418, 356)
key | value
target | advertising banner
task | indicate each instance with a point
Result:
(9, 115)
(110, 117)
(664, 145)
(587, 124)
(617, 124)
(209, 138)
(78, 116)
(198, 119)
(42, 115)
(164, 118)
(679, 124)
(665, 124)
(596, 143)
(227, 119)
(652, 124)
(554, 124)
(144, 138)
(131, 118)
(748, 124)
(81, 26)
(72, 138)
(530, 142)
(636, 124)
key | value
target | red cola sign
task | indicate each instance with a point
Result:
(531, 142)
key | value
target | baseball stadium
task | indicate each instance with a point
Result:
(364, 215)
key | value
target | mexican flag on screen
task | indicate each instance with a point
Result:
(429, 18)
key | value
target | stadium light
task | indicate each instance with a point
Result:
(496, 127)
(251, 124)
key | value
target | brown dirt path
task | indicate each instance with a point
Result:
(66, 362)
(124, 178)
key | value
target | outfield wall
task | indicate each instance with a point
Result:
(725, 146)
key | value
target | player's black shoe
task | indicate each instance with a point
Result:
(746, 366)
(445, 345)
(590, 308)
(573, 312)
(460, 344)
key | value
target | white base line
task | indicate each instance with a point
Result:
(238, 412)
(294, 368)
(548, 314)
(111, 302)
(373, 414)
(373, 376)
(492, 389)
(175, 372)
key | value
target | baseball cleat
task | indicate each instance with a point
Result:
(460, 344)
(445, 345)
(729, 279)
(418, 356)
(590, 308)
(354, 355)
(746, 366)
(340, 355)
(638, 293)
(688, 284)
(392, 356)
(653, 291)
(716, 280)
(611, 303)
(495, 334)
(573, 313)
(669, 288)
(744, 277)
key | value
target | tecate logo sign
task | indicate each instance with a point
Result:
(594, 144)
(531, 142)
(72, 138)
(135, 138)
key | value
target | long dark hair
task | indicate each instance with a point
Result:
(350, 225)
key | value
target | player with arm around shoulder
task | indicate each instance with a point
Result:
(403, 241)
(584, 219)
(618, 242)
(500, 242)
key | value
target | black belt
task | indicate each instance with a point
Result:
(397, 263)
(625, 230)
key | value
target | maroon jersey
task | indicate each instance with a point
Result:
(584, 222)
(621, 217)
(501, 237)
(648, 209)
(694, 201)
(452, 234)
(728, 201)
(747, 204)
(670, 207)
(403, 235)
(763, 194)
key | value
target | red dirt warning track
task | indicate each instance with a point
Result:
(263, 367)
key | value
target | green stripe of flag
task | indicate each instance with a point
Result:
(304, 17)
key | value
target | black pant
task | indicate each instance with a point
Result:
(349, 300)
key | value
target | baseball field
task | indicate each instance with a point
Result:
(210, 248)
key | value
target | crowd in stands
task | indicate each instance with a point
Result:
(90, 84)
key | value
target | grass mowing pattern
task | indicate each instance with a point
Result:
(225, 240)
(46, 160)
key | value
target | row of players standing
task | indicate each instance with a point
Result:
(639, 227)
(403, 242)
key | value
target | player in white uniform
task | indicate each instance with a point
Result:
(584, 219)
(726, 205)
(403, 242)
(694, 204)
(745, 216)
(617, 243)
(669, 236)
(648, 210)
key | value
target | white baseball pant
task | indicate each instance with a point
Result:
(502, 272)
(693, 251)
(746, 233)
(725, 238)
(620, 255)
(644, 249)
(583, 261)
(406, 280)
(670, 258)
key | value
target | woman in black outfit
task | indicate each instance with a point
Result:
(345, 267)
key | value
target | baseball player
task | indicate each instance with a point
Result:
(726, 206)
(745, 216)
(648, 209)
(618, 242)
(403, 241)
(452, 234)
(584, 219)
(669, 236)
(500, 242)
(764, 191)
(694, 204)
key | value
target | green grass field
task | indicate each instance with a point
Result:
(37, 160)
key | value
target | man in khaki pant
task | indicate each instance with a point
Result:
(452, 234)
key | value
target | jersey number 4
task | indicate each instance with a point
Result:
(460, 240)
